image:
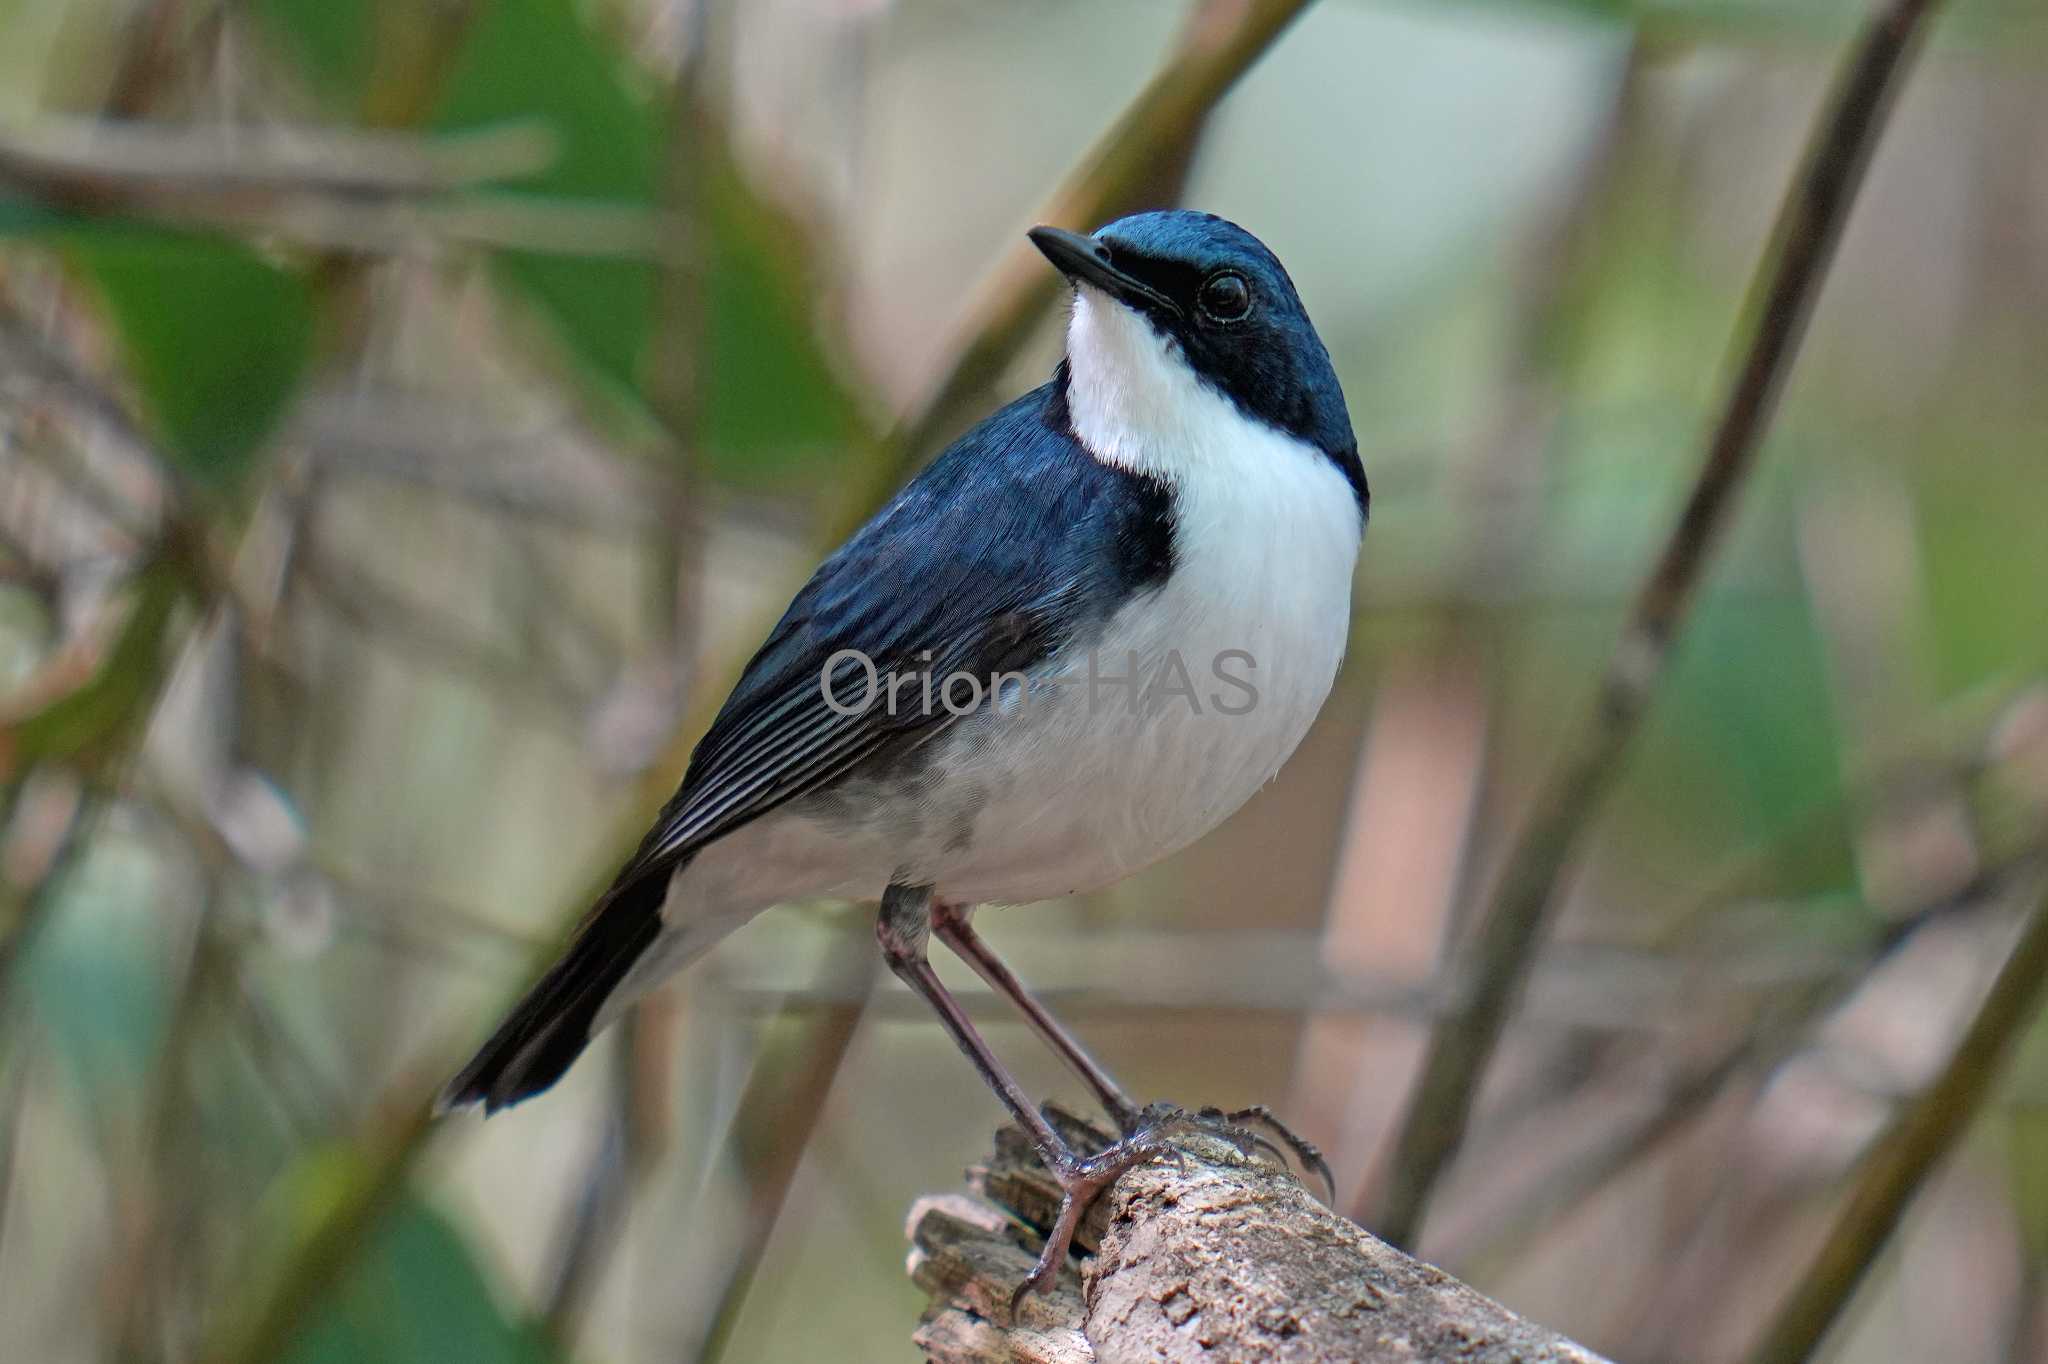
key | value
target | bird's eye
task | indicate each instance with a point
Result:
(1225, 297)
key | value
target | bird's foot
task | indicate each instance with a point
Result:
(1242, 1128)
(1082, 1180)
(1262, 1118)
(1146, 1137)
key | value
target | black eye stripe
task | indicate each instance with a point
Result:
(1223, 297)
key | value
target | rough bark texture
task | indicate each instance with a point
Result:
(1219, 1259)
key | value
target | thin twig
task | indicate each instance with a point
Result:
(150, 59)
(781, 1107)
(1760, 1051)
(1810, 225)
(345, 226)
(47, 833)
(16, 1060)
(399, 623)
(299, 1084)
(1929, 1127)
(1955, 743)
(552, 472)
(596, 1217)
(156, 1268)
(635, 1118)
(423, 916)
(34, 356)
(104, 154)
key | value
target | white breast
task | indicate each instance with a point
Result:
(1266, 536)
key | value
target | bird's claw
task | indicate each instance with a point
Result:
(1237, 1127)
(1305, 1151)
(1082, 1180)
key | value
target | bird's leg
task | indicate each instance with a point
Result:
(953, 928)
(902, 928)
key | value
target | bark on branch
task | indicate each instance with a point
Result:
(1218, 1258)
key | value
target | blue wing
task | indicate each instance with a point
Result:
(1011, 544)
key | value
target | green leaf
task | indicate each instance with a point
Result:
(416, 1296)
(528, 58)
(772, 400)
(215, 335)
(525, 59)
(1749, 706)
(334, 40)
(770, 397)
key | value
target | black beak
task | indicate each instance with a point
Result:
(1087, 261)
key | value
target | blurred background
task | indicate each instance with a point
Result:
(411, 413)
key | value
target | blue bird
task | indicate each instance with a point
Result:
(1076, 642)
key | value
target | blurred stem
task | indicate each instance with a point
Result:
(160, 1262)
(29, 877)
(1759, 1051)
(636, 1121)
(330, 1247)
(597, 1218)
(780, 1109)
(2027, 1314)
(1954, 744)
(15, 1059)
(358, 602)
(149, 60)
(675, 385)
(1139, 162)
(307, 1099)
(1550, 276)
(1803, 242)
(416, 47)
(1926, 1131)
(1495, 485)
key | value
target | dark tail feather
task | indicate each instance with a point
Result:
(550, 1027)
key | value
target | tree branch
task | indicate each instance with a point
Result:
(1927, 1129)
(1809, 226)
(1218, 1257)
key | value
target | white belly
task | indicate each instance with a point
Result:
(1229, 664)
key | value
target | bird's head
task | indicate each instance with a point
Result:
(1162, 297)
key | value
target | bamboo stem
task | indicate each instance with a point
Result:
(1788, 281)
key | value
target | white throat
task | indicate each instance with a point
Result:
(1137, 404)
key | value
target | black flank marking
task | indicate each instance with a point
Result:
(1145, 542)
